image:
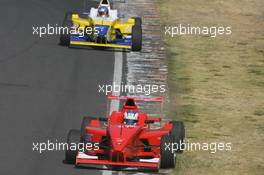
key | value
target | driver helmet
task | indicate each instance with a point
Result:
(103, 11)
(130, 117)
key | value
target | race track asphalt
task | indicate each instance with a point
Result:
(45, 89)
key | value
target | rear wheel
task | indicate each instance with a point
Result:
(138, 21)
(178, 133)
(73, 138)
(86, 121)
(136, 38)
(167, 156)
(65, 31)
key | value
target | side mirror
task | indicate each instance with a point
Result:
(103, 119)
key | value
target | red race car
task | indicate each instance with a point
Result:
(128, 138)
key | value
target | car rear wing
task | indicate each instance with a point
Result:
(114, 101)
(108, 3)
(140, 99)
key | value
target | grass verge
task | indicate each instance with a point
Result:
(217, 84)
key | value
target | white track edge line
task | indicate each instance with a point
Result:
(117, 78)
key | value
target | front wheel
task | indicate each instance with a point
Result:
(65, 30)
(72, 138)
(167, 155)
(178, 133)
(136, 38)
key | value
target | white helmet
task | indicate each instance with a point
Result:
(130, 117)
(103, 11)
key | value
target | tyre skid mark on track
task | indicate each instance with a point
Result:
(13, 85)
(19, 53)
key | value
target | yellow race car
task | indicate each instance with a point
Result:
(101, 27)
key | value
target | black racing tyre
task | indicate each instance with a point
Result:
(65, 31)
(138, 21)
(136, 38)
(178, 133)
(68, 15)
(167, 156)
(72, 138)
(86, 121)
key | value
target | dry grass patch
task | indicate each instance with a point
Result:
(217, 84)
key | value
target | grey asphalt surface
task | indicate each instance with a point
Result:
(45, 89)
